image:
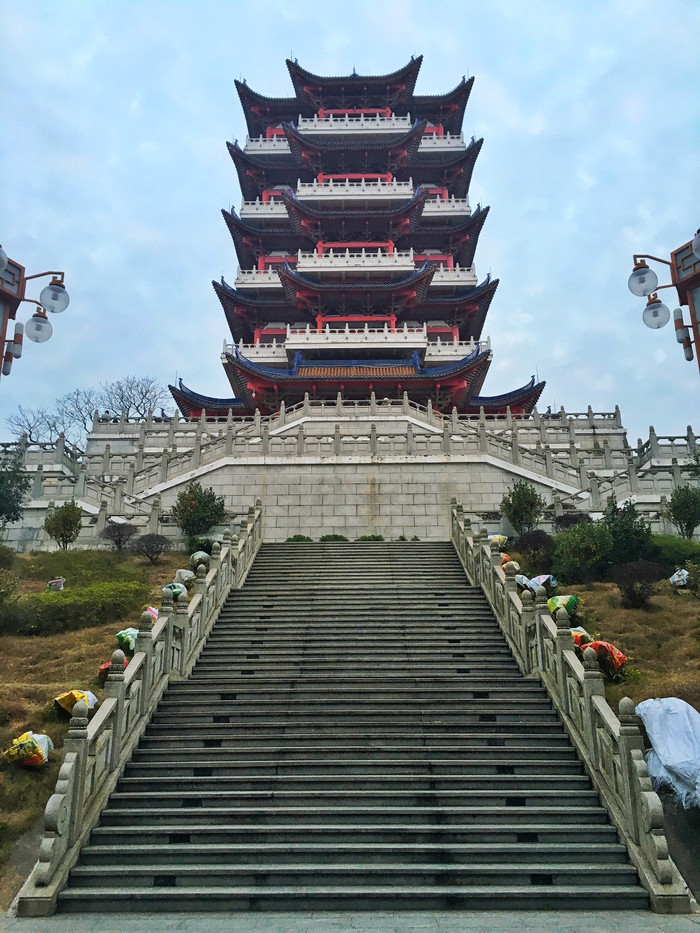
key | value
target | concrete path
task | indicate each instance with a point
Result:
(385, 922)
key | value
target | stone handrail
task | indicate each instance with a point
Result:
(611, 747)
(96, 750)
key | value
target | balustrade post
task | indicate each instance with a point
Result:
(38, 481)
(76, 743)
(446, 439)
(593, 686)
(533, 649)
(115, 689)
(154, 516)
(336, 440)
(630, 741)
(181, 622)
(564, 642)
(144, 643)
(166, 610)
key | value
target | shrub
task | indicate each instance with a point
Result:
(9, 586)
(151, 546)
(63, 524)
(673, 552)
(119, 534)
(332, 538)
(7, 557)
(684, 509)
(370, 538)
(197, 510)
(523, 506)
(47, 613)
(536, 548)
(631, 535)
(569, 520)
(299, 538)
(637, 581)
(582, 554)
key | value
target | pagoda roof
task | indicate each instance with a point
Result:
(447, 109)
(391, 90)
(454, 383)
(192, 404)
(454, 171)
(467, 309)
(313, 222)
(408, 290)
(251, 241)
(458, 239)
(374, 153)
(520, 401)
(244, 312)
(257, 172)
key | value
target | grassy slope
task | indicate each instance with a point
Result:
(35, 670)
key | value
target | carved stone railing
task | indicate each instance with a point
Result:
(96, 750)
(611, 747)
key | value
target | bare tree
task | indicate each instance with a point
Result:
(135, 395)
(36, 424)
(73, 412)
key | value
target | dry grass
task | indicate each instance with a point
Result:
(662, 642)
(33, 670)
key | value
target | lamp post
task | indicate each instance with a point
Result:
(685, 278)
(53, 298)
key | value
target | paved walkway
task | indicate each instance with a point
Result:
(384, 922)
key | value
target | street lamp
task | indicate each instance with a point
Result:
(685, 278)
(53, 298)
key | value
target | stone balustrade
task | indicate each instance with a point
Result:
(432, 142)
(96, 750)
(611, 746)
(334, 189)
(335, 124)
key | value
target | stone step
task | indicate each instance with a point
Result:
(138, 780)
(363, 898)
(525, 833)
(161, 855)
(379, 816)
(263, 875)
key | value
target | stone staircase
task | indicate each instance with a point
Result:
(356, 735)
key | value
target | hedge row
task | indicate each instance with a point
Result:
(67, 610)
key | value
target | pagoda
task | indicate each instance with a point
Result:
(355, 243)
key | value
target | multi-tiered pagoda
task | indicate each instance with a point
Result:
(355, 244)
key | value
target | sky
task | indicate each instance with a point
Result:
(115, 117)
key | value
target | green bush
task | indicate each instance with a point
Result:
(684, 509)
(66, 610)
(523, 506)
(197, 510)
(638, 581)
(582, 553)
(63, 524)
(631, 534)
(332, 538)
(673, 552)
(81, 568)
(536, 548)
(299, 538)
(7, 556)
(370, 538)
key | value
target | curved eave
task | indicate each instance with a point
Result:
(468, 309)
(400, 84)
(193, 404)
(455, 172)
(384, 154)
(447, 109)
(261, 112)
(524, 399)
(255, 173)
(251, 242)
(364, 369)
(243, 312)
(460, 239)
(294, 281)
(308, 219)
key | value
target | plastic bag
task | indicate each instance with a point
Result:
(679, 578)
(55, 585)
(610, 658)
(153, 611)
(66, 701)
(499, 539)
(103, 670)
(31, 749)
(126, 639)
(546, 580)
(562, 602)
(522, 580)
(177, 589)
(673, 727)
